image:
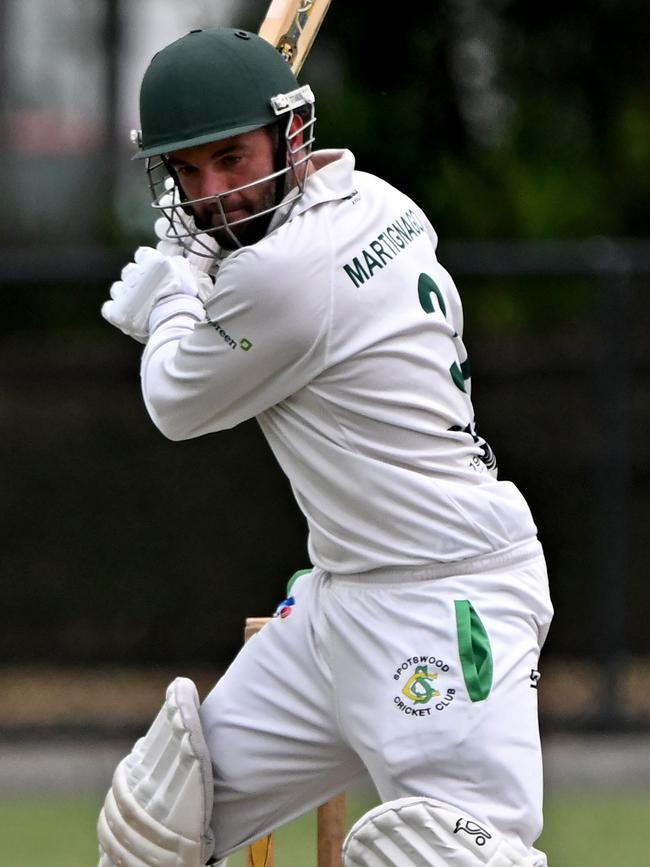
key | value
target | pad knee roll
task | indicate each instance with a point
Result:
(421, 832)
(159, 806)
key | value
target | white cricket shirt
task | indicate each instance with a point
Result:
(342, 334)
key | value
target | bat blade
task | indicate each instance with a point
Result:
(291, 27)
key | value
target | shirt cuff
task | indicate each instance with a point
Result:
(174, 305)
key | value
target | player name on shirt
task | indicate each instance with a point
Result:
(385, 247)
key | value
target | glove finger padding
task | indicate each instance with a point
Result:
(112, 312)
(130, 273)
(168, 244)
(147, 281)
(117, 289)
(144, 255)
(133, 301)
(192, 281)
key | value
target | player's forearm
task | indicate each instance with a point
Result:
(191, 381)
(160, 380)
(184, 385)
(247, 352)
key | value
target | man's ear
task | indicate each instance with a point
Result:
(297, 123)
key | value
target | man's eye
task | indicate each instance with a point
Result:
(184, 171)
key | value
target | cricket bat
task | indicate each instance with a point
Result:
(291, 26)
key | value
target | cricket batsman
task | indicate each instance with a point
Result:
(290, 287)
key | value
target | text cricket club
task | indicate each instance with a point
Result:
(421, 692)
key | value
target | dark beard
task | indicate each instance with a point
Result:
(247, 233)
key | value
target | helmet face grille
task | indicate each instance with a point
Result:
(168, 197)
(210, 85)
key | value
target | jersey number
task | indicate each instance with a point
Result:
(459, 370)
(427, 289)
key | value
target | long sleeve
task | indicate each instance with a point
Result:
(259, 341)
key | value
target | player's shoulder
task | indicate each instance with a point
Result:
(299, 248)
(383, 197)
(285, 273)
(369, 183)
(386, 205)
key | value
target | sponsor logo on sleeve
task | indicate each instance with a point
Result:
(230, 341)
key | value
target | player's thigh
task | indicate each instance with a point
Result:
(436, 692)
(272, 733)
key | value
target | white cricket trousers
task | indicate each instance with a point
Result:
(423, 678)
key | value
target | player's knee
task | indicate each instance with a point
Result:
(159, 806)
(421, 832)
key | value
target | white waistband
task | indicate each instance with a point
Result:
(511, 556)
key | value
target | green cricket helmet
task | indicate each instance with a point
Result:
(210, 85)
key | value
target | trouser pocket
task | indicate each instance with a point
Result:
(474, 651)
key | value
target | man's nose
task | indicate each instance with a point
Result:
(211, 183)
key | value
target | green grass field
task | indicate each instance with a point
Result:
(582, 830)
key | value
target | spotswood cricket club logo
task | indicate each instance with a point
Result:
(422, 686)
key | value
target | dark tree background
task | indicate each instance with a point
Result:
(505, 119)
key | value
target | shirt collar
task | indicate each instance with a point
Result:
(330, 178)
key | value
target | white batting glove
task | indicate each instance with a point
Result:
(166, 232)
(145, 282)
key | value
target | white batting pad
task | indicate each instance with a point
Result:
(158, 809)
(420, 832)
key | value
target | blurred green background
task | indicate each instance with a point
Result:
(594, 830)
(524, 132)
